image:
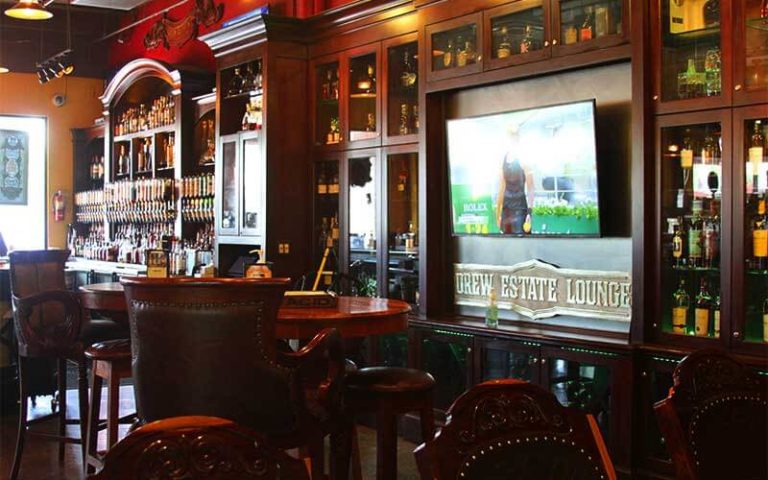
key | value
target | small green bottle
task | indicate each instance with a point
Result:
(492, 312)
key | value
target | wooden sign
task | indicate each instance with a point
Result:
(539, 290)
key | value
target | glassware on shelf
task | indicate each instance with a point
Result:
(409, 76)
(454, 48)
(712, 76)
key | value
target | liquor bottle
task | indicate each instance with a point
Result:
(448, 57)
(335, 85)
(677, 244)
(333, 188)
(711, 242)
(756, 153)
(694, 236)
(716, 316)
(760, 237)
(701, 312)
(526, 44)
(461, 52)
(504, 49)
(404, 121)
(409, 75)
(322, 184)
(249, 79)
(492, 310)
(712, 76)
(140, 159)
(585, 32)
(710, 151)
(680, 304)
(765, 319)
(236, 84)
(571, 34)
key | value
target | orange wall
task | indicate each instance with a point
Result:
(22, 94)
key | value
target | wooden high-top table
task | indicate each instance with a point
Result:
(353, 317)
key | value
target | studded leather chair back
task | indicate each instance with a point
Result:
(506, 429)
(207, 347)
(46, 315)
(715, 419)
(198, 448)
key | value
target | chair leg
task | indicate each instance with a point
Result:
(94, 407)
(427, 421)
(386, 445)
(356, 462)
(316, 450)
(62, 388)
(22, 419)
(82, 390)
(341, 448)
(113, 408)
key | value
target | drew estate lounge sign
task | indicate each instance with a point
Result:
(539, 290)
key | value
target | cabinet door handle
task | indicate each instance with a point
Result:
(736, 334)
(554, 41)
(655, 97)
(534, 360)
(543, 361)
(737, 87)
(546, 43)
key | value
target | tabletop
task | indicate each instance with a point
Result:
(352, 316)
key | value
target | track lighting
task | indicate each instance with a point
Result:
(55, 67)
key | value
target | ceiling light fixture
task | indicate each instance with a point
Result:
(29, 10)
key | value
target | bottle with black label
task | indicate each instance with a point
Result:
(702, 310)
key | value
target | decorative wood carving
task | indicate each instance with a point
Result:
(175, 33)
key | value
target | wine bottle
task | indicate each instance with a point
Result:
(701, 312)
(765, 319)
(756, 153)
(681, 303)
(716, 316)
(694, 236)
(759, 237)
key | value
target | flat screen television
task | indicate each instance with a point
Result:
(526, 172)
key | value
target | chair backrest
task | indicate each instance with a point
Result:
(46, 316)
(715, 419)
(504, 429)
(197, 448)
(207, 347)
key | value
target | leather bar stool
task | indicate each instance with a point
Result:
(388, 392)
(111, 362)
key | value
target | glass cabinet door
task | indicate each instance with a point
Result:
(751, 49)
(447, 356)
(363, 221)
(751, 129)
(508, 359)
(326, 222)
(228, 175)
(588, 22)
(403, 226)
(455, 47)
(327, 113)
(691, 64)
(693, 189)
(518, 33)
(363, 98)
(253, 218)
(402, 115)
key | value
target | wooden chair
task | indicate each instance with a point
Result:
(198, 448)
(208, 347)
(47, 323)
(511, 429)
(715, 419)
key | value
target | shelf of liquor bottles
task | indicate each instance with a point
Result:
(587, 20)
(690, 57)
(363, 101)
(242, 97)
(402, 115)
(327, 110)
(752, 142)
(326, 219)
(691, 208)
(455, 47)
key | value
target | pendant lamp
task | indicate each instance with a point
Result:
(29, 10)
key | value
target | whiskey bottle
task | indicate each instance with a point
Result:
(701, 312)
(756, 153)
(759, 237)
(681, 303)
(404, 121)
(585, 32)
(677, 244)
(694, 237)
(409, 75)
(711, 242)
(322, 184)
(716, 316)
(526, 44)
(710, 151)
(504, 49)
(765, 319)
